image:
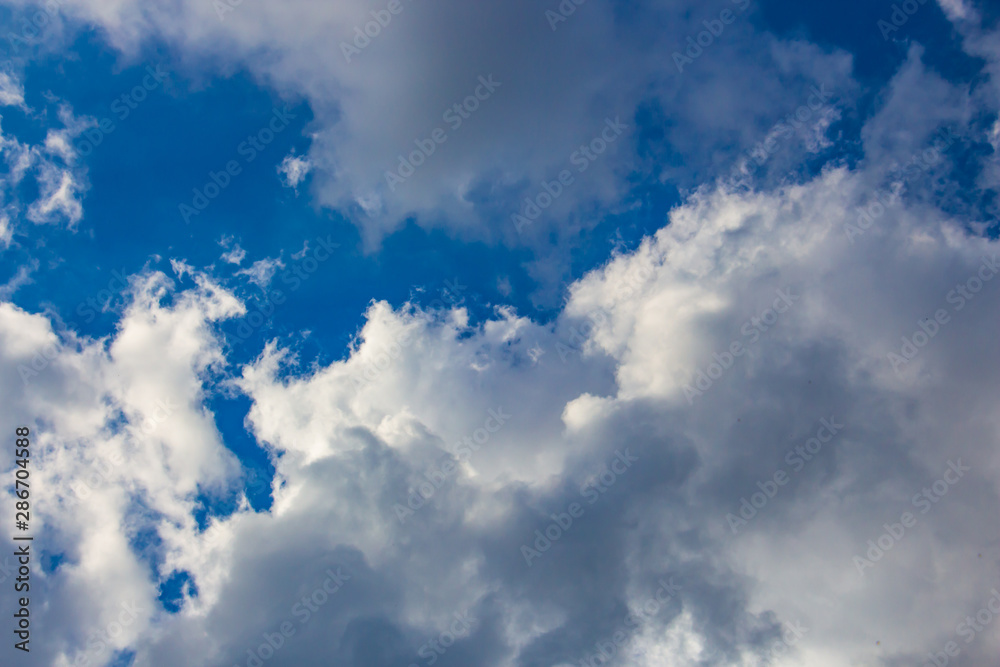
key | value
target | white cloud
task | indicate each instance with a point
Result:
(125, 448)
(61, 181)
(234, 253)
(6, 229)
(11, 91)
(234, 256)
(262, 271)
(351, 440)
(642, 359)
(957, 10)
(59, 197)
(293, 170)
(21, 278)
(526, 126)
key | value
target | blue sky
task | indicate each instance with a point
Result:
(139, 176)
(322, 339)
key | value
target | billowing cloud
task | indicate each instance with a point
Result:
(461, 134)
(766, 434)
(786, 423)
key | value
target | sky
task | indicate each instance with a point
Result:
(538, 333)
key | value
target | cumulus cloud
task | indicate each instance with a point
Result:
(640, 410)
(125, 450)
(500, 120)
(768, 433)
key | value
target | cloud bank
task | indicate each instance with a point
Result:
(766, 435)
